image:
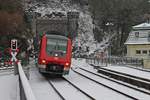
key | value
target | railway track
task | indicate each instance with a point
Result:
(6, 67)
(118, 82)
(100, 83)
(61, 96)
(66, 83)
(75, 91)
(134, 80)
(6, 72)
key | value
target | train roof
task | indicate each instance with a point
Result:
(56, 36)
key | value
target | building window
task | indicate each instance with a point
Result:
(149, 52)
(149, 35)
(138, 51)
(136, 34)
(144, 51)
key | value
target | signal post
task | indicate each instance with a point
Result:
(14, 51)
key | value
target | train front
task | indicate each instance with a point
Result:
(55, 54)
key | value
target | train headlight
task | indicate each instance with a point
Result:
(67, 64)
(43, 61)
(56, 54)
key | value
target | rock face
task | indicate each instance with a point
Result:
(70, 13)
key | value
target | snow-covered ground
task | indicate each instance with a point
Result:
(9, 86)
(82, 64)
(122, 69)
(41, 88)
(95, 90)
(67, 90)
(9, 89)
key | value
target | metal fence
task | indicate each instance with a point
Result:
(97, 61)
(138, 62)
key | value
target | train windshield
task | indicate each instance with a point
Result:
(56, 47)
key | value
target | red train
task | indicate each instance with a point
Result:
(55, 54)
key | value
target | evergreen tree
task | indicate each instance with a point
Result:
(122, 13)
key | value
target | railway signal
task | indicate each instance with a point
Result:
(14, 50)
(14, 44)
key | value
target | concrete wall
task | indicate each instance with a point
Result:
(131, 50)
(146, 63)
(51, 24)
(67, 25)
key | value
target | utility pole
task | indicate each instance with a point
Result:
(110, 52)
(109, 26)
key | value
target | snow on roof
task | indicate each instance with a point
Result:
(132, 40)
(139, 40)
(142, 26)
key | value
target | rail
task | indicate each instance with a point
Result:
(25, 89)
(107, 86)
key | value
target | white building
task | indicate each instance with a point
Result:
(138, 43)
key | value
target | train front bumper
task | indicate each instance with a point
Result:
(44, 69)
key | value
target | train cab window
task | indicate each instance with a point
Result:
(58, 46)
